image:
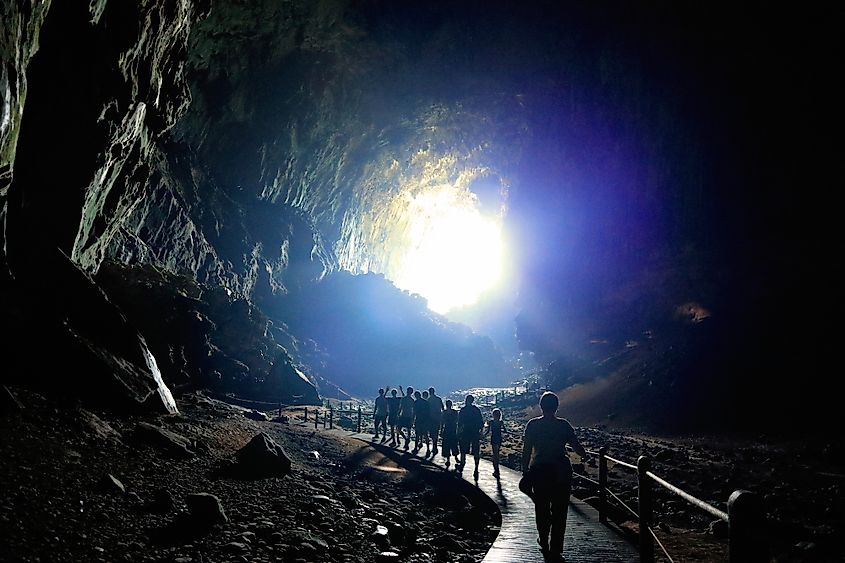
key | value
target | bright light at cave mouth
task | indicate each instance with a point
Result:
(453, 252)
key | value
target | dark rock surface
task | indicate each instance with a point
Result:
(50, 506)
(169, 442)
(206, 337)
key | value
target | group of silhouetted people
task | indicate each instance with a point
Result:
(546, 468)
(404, 415)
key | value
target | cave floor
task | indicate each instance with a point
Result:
(343, 501)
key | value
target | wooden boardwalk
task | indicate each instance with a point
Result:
(587, 540)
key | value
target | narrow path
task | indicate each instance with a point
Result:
(587, 540)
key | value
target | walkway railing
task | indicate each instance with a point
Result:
(350, 417)
(744, 516)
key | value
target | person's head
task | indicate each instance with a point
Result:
(448, 403)
(417, 394)
(381, 391)
(431, 390)
(548, 403)
(469, 400)
(410, 390)
(393, 392)
(497, 414)
(425, 394)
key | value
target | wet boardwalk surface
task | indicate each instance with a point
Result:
(587, 540)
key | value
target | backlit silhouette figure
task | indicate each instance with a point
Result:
(548, 472)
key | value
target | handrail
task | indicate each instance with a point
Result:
(660, 543)
(623, 503)
(620, 462)
(743, 523)
(689, 498)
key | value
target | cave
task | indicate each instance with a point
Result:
(293, 204)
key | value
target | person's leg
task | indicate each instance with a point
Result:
(559, 509)
(476, 451)
(543, 517)
(435, 430)
(496, 448)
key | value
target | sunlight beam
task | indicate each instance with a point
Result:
(453, 253)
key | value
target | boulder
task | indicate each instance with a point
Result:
(262, 457)
(169, 442)
(206, 509)
(256, 415)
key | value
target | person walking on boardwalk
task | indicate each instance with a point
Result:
(393, 408)
(449, 432)
(435, 404)
(470, 423)
(494, 428)
(406, 415)
(380, 415)
(547, 472)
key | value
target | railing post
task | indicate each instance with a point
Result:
(316, 412)
(331, 417)
(359, 419)
(325, 419)
(305, 416)
(745, 518)
(645, 510)
(602, 485)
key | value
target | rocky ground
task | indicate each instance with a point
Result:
(77, 485)
(800, 484)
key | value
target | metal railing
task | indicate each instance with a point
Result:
(744, 516)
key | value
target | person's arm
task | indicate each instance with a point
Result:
(579, 449)
(527, 448)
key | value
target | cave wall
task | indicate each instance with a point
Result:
(263, 147)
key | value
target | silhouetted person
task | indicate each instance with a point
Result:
(380, 414)
(449, 431)
(494, 428)
(548, 472)
(393, 408)
(406, 415)
(470, 423)
(421, 416)
(435, 404)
